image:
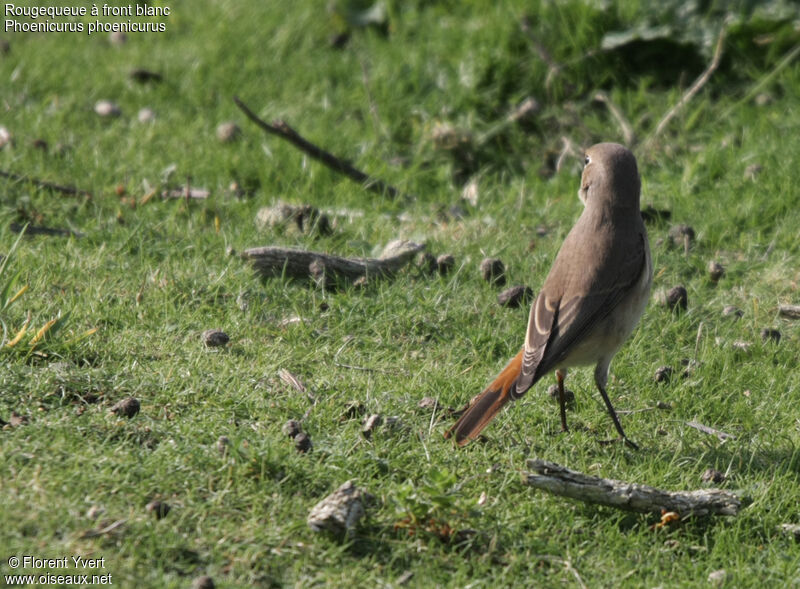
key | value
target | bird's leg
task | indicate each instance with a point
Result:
(600, 377)
(560, 375)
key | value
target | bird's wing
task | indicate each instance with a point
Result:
(561, 317)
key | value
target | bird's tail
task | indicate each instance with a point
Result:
(485, 406)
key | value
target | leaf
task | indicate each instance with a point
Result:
(15, 340)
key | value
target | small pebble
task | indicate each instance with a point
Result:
(445, 263)
(493, 271)
(682, 236)
(717, 578)
(771, 335)
(158, 508)
(470, 192)
(292, 428)
(228, 132)
(712, 475)
(751, 171)
(302, 443)
(732, 311)
(763, 99)
(677, 298)
(428, 403)
(204, 582)
(371, 423)
(146, 115)
(404, 578)
(791, 530)
(663, 374)
(17, 419)
(214, 338)
(515, 296)
(106, 108)
(715, 270)
(126, 408)
(5, 137)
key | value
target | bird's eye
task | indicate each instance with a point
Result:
(586, 160)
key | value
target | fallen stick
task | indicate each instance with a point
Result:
(565, 482)
(44, 184)
(284, 131)
(274, 261)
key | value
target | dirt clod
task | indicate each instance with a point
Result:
(126, 407)
(493, 271)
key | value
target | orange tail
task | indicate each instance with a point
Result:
(485, 406)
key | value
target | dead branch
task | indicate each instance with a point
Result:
(695, 88)
(273, 261)
(284, 131)
(565, 482)
(44, 184)
(627, 130)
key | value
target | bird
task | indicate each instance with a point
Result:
(590, 302)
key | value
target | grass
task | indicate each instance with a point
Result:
(151, 278)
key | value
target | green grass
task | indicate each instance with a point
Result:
(152, 277)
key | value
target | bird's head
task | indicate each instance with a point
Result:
(610, 177)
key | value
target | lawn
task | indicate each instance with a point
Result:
(476, 112)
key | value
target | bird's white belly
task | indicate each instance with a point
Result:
(609, 334)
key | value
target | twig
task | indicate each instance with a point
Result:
(565, 482)
(568, 149)
(695, 88)
(710, 430)
(283, 130)
(627, 131)
(44, 184)
(277, 261)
